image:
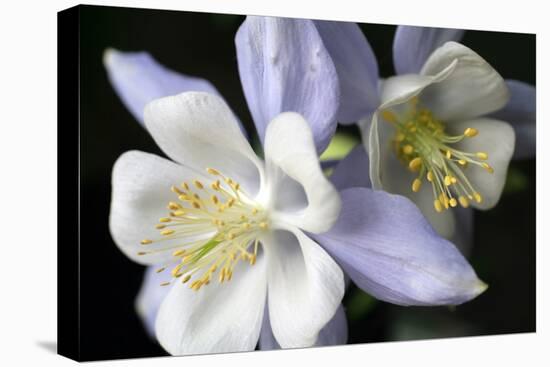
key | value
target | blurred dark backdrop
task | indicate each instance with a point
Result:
(202, 45)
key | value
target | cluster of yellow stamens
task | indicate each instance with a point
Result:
(218, 225)
(420, 142)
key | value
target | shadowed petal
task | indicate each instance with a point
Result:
(413, 45)
(304, 196)
(390, 251)
(356, 67)
(497, 139)
(138, 79)
(284, 66)
(334, 333)
(521, 113)
(353, 170)
(305, 287)
(150, 297)
(473, 89)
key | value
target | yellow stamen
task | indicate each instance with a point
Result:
(478, 197)
(389, 116)
(415, 164)
(198, 184)
(464, 201)
(470, 132)
(482, 155)
(416, 185)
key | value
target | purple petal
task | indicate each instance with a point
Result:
(353, 170)
(390, 251)
(412, 46)
(284, 66)
(334, 333)
(521, 113)
(356, 67)
(138, 79)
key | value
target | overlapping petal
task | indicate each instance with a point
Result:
(352, 171)
(473, 89)
(138, 79)
(395, 91)
(521, 113)
(221, 317)
(356, 66)
(305, 287)
(284, 66)
(199, 130)
(335, 332)
(304, 196)
(390, 251)
(150, 297)
(413, 45)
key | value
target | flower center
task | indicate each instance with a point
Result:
(218, 224)
(421, 142)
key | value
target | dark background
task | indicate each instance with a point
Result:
(202, 45)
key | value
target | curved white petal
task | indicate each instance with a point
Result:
(390, 175)
(394, 92)
(140, 193)
(199, 130)
(303, 195)
(497, 139)
(473, 89)
(220, 317)
(305, 287)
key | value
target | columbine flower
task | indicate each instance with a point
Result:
(230, 229)
(381, 240)
(434, 145)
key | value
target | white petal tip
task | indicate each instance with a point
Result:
(109, 56)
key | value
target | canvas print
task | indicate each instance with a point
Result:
(257, 183)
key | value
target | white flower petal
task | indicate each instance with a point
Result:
(394, 91)
(199, 130)
(473, 89)
(304, 196)
(218, 318)
(497, 139)
(305, 288)
(140, 193)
